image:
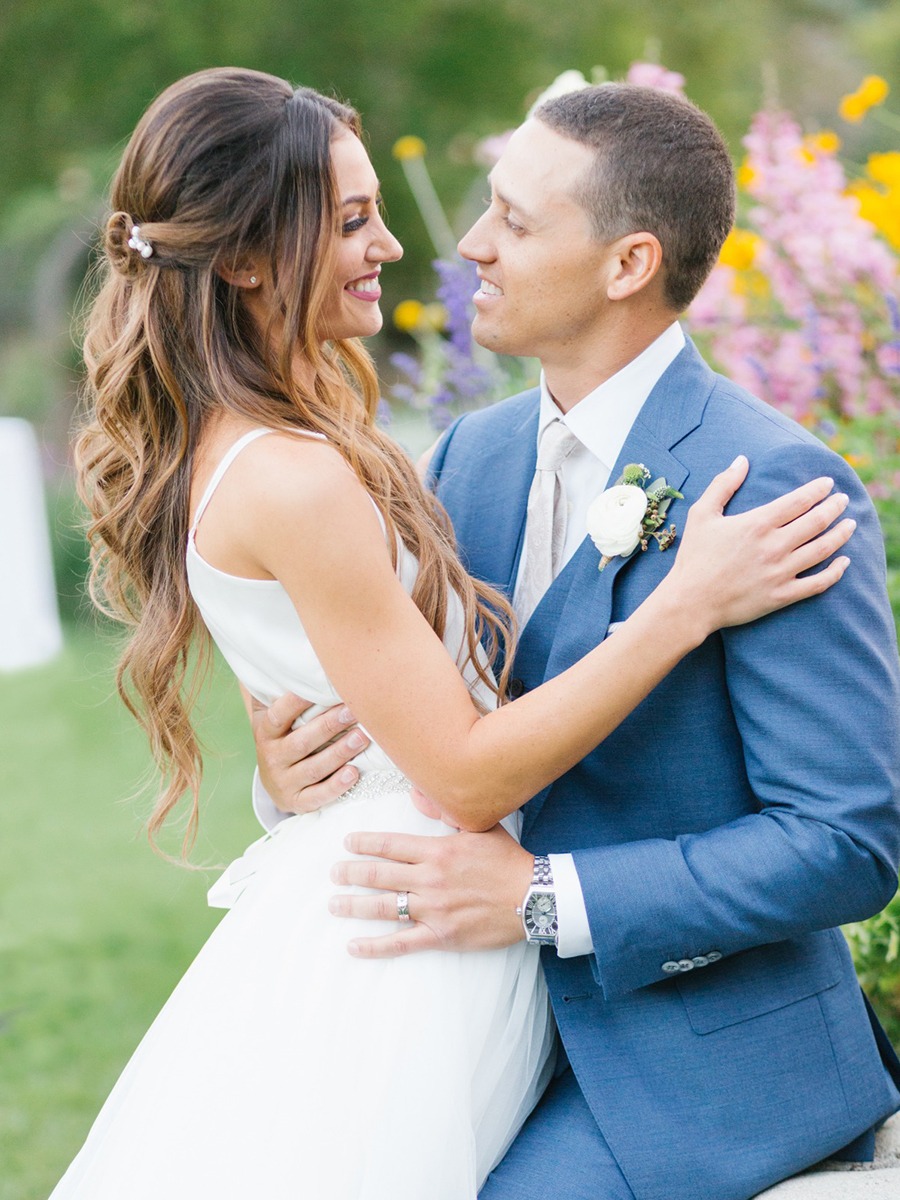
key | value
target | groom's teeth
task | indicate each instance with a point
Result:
(364, 285)
(488, 289)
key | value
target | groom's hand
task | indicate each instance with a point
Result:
(305, 768)
(463, 890)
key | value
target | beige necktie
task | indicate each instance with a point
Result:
(545, 523)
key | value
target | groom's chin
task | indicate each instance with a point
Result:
(486, 334)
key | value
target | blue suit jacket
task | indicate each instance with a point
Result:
(746, 808)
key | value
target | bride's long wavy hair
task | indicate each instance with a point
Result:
(226, 164)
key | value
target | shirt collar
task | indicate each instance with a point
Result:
(603, 419)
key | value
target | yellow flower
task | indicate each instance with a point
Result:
(739, 250)
(856, 460)
(880, 208)
(885, 168)
(872, 91)
(409, 147)
(408, 315)
(824, 142)
(754, 285)
(434, 316)
(745, 176)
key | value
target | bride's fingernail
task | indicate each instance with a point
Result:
(353, 948)
(345, 716)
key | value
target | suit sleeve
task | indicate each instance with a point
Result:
(815, 693)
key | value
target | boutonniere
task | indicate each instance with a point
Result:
(631, 512)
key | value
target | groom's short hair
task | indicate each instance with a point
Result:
(661, 167)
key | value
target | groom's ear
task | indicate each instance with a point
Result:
(635, 261)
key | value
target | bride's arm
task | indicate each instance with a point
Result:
(314, 528)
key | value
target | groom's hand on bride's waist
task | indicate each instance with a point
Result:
(306, 767)
(462, 890)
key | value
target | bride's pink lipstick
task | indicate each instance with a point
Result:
(372, 294)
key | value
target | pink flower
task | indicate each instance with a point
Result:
(814, 325)
(489, 149)
(652, 75)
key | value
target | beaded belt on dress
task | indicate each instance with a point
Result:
(225, 891)
(376, 783)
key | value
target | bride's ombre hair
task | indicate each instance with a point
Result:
(227, 164)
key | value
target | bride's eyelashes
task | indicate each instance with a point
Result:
(357, 222)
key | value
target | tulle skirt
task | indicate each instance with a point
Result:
(281, 1068)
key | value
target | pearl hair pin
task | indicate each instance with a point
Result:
(136, 242)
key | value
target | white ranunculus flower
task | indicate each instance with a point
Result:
(569, 81)
(614, 519)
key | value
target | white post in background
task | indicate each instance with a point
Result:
(30, 632)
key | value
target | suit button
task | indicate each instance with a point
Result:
(713, 956)
(685, 964)
(671, 968)
(516, 689)
(701, 961)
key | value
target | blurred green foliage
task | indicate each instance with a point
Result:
(876, 952)
(78, 73)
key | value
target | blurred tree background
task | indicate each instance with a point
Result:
(78, 73)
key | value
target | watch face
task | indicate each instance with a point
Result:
(540, 914)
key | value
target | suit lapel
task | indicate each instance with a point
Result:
(490, 519)
(573, 616)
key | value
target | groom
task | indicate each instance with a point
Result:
(702, 856)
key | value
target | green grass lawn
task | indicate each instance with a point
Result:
(95, 929)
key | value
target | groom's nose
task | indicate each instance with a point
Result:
(475, 245)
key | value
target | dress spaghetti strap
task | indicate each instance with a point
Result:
(229, 457)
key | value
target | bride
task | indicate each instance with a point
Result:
(237, 481)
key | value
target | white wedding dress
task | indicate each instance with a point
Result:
(281, 1068)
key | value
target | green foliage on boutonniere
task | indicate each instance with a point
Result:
(630, 513)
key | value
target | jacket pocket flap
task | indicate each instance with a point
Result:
(760, 980)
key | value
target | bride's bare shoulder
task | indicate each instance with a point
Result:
(283, 466)
(289, 482)
(298, 468)
(284, 485)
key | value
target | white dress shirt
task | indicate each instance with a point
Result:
(601, 422)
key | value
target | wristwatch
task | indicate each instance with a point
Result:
(538, 909)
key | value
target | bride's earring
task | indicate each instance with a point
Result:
(253, 279)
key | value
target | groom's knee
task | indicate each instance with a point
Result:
(559, 1152)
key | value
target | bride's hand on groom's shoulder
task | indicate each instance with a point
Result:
(462, 890)
(733, 569)
(306, 767)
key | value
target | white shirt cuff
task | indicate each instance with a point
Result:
(574, 936)
(264, 806)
